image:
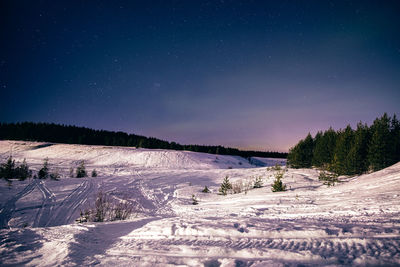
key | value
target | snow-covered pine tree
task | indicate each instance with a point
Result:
(80, 170)
(278, 186)
(44, 171)
(225, 186)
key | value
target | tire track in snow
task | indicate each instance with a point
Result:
(9, 207)
(342, 251)
(47, 206)
(151, 201)
(70, 204)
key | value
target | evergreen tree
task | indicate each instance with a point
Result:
(94, 173)
(379, 147)
(324, 148)
(205, 190)
(357, 157)
(80, 170)
(341, 163)
(316, 159)
(225, 186)
(278, 185)
(395, 140)
(300, 156)
(22, 171)
(44, 171)
(10, 170)
(7, 170)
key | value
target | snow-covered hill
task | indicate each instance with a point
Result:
(118, 156)
(356, 222)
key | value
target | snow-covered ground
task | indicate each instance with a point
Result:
(356, 222)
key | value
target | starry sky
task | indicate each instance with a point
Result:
(246, 74)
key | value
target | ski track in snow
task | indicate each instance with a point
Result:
(47, 206)
(68, 207)
(9, 207)
(356, 222)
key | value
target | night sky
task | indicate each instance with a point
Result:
(247, 74)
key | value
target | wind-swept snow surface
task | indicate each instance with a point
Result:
(356, 222)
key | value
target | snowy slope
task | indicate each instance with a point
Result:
(356, 222)
(265, 162)
(118, 156)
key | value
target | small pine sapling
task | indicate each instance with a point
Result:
(225, 186)
(7, 169)
(278, 186)
(206, 190)
(328, 178)
(94, 173)
(80, 170)
(22, 171)
(44, 171)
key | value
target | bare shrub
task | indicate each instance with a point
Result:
(55, 175)
(277, 167)
(248, 184)
(237, 187)
(102, 206)
(108, 209)
(122, 210)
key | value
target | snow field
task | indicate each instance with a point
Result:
(354, 223)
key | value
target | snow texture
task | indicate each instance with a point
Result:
(355, 222)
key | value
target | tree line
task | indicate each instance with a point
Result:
(350, 151)
(58, 133)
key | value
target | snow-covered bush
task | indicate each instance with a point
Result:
(194, 200)
(55, 175)
(258, 183)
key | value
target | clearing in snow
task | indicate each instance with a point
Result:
(355, 222)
